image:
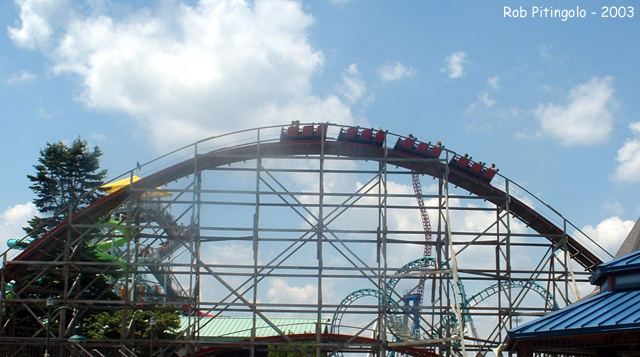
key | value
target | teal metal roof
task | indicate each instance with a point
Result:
(234, 328)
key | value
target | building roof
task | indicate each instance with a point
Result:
(632, 242)
(624, 264)
(233, 328)
(615, 309)
(606, 312)
(608, 322)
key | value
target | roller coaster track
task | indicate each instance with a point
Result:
(493, 289)
(176, 235)
(276, 149)
(173, 232)
(393, 308)
(336, 321)
(388, 300)
(426, 226)
(81, 223)
(426, 223)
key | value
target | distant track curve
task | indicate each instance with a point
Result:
(329, 146)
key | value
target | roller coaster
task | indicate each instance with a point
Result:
(306, 221)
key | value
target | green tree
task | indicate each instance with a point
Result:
(291, 351)
(65, 175)
(107, 325)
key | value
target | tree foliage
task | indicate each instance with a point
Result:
(292, 351)
(65, 175)
(107, 325)
(70, 175)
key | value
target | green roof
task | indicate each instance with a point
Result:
(235, 328)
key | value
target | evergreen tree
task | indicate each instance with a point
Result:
(107, 325)
(70, 175)
(65, 175)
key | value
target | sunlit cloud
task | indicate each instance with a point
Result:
(183, 72)
(454, 65)
(12, 220)
(586, 119)
(393, 72)
(628, 158)
(610, 233)
(23, 76)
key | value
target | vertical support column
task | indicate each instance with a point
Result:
(571, 277)
(553, 281)
(507, 253)
(568, 268)
(67, 255)
(194, 247)
(3, 290)
(382, 254)
(453, 261)
(552, 285)
(524, 349)
(256, 239)
(66, 270)
(319, 237)
(437, 285)
(136, 296)
(442, 256)
(499, 254)
(566, 261)
(128, 290)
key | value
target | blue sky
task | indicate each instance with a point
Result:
(553, 102)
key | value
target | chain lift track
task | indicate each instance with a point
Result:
(426, 225)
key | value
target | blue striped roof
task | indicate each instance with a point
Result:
(606, 312)
(622, 264)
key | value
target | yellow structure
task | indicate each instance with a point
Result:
(112, 187)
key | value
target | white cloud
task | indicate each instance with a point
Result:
(46, 114)
(12, 220)
(97, 136)
(488, 102)
(229, 254)
(353, 87)
(615, 208)
(329, 109)
(548, 56)
(454, 64)
(494, 82)
(586, 119)
(282, 292)
(23, 76)
(38, 20)
(609, 233)
(482, 99)
(628, 158)
(184, 72)
(396, 71)
(224, 254)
